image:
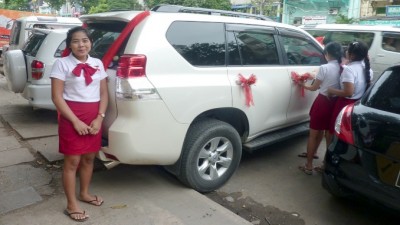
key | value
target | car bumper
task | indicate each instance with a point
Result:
(355, 169)
(138, 135)
(39, 96)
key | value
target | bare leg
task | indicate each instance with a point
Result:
(314, 141)
(71, 163)
(85, 175)
(328, 138)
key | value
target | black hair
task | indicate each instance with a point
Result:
(73, 30)
(358, 51)
(335, 50)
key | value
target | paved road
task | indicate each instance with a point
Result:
(31, 192)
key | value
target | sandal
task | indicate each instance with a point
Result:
(96, 201)
(306, 170)
(319, 169)
(304, 155)
(77, 219)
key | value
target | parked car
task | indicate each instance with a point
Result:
(364, 158)
(181, 85)
(27, 71)
(383, 41)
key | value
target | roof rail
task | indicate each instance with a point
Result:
(186, 9)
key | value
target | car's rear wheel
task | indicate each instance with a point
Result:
(210, 155)
(15, 70)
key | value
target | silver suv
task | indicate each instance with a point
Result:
(191, 91)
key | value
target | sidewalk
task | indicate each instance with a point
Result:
(31, 190)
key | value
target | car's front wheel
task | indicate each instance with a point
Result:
(210, 155)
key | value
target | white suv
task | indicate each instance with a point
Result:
(177, 93)
(27, 71)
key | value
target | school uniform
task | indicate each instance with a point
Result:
(82, 95)
(352, 73)
(322, 107)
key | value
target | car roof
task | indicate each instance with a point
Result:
(127, 16)
(50, 19)
(352, 27)
(47, 31)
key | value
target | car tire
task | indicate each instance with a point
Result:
(210, 155)
(15, 70)
(330, 184)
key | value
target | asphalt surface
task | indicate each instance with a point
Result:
(31, 190)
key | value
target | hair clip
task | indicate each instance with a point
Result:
(355, 43)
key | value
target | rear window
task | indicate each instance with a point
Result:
(104, 35)
(385, 94)
(15, 31)
(33, 44)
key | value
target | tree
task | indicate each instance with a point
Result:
(107, 5)
(55, 4)
(211, 4)
(342, 19)
(266, 7)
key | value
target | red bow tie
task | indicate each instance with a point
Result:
(88, 71)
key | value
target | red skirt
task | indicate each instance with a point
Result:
(321, 112)
(70, 142)
(340, 104)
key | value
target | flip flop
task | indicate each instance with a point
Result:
(70, 215)
(306, 170)
(94, 202)
(304, 155)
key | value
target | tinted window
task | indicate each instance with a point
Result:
(391, 42)
(343, 37)
(33, 44)
(60, 49)
(201, 44)
(301, 51)
(385, 94)
(15, 32)
(253, 47)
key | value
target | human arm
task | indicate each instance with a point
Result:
(96, 123)
(315, 85)
(57, 89)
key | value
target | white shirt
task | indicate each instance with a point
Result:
(75, 88)
(329, 75)
(354, 73)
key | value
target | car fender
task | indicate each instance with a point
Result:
(15, 70)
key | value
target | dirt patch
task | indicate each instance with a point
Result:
(253, 211)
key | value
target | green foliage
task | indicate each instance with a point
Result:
(211, 4)
(22, 5)
(55, 4)
(342, 19)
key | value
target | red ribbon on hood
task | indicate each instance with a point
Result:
(246, 83)
(88, 71)
(297, 78)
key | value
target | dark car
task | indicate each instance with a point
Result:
(364, 158)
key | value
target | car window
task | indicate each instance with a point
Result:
(252, 47)
(301, 51)
(33, 44)
(104, 35)
(391, 42)
(342, 37)
(15, 32)
(385, 94)
(200, 43)
(60, 49)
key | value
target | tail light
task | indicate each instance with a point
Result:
(130, 66)
(37, 69)
(343, 127)
(131, 82)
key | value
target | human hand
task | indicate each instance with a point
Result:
(81, 127)
(95, 125)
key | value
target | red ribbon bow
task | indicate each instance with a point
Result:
(88, 71)
(246, 83)
(297, 78)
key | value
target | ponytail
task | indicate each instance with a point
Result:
(367, 71)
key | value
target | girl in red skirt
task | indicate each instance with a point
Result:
(354, 81)
(79, 91)
(321, 110)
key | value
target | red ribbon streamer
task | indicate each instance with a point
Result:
(88, 71)
(246, 83)
(297, 78)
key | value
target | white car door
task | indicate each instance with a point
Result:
(385, 52)
(304, 57)
(253, 54)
